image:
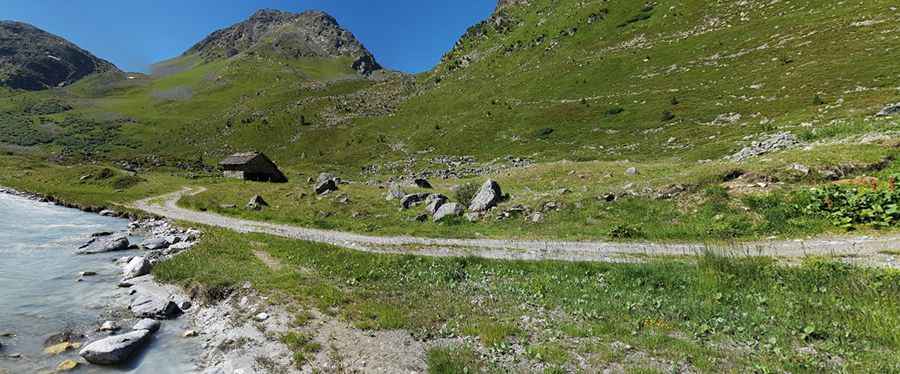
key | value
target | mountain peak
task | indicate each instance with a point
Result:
(33, 59)
(293, 35)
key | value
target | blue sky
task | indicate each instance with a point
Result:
(408, 35)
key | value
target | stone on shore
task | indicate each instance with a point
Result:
(148, 324)
(448, 210)
(115, 349)
(155, 243)
(488, 196)
(137, 267)
(104, 244)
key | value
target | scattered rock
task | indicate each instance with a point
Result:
(422, 183)
(256, 203)
(474, 216)
(137, 267)
(889, 110)
(115, 349)
(261, 317)
(189, 334)
(536, 217)
(434, 202)
(773, 143)
(394, 192)
(104, 244)
(448, 210)
(488, 196)
(326, 183)
(148, 324)
(632, 171)
(412, 200)
(87, 274)
(227, 206)
(802, 169)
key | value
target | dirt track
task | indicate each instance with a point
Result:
(866, 250)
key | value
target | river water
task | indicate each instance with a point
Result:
(40, 297)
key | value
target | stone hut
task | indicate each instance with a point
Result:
(252, 166)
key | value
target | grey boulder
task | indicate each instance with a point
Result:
(155, 243)
(326, 183)
(414, 199)
(150, 306)
(115, 349)
(434, 202)
(448, 210)
(148, 324)
(488, 197)
(104, 244)
(137, 267)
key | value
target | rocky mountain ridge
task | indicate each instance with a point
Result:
(306, 34)
(33, 59)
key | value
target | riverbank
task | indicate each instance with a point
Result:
(123, 300)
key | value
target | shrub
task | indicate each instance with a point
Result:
(849, 206)
(625, 232)
(466, 192)
(544, 132)
(616, 110)
(126, 182)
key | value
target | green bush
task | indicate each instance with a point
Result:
(466, 192)
(849, 206)
(625, 232)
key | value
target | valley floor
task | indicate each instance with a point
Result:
(875, 251)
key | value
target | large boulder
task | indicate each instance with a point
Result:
(148, 324)
(487, 197)
(414, 199)
(448, 210)
(137, 267)
(115, 349)
(104, 244)
(152, 307)
(434, 202)
(326, 183)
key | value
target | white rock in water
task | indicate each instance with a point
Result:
(115, 349)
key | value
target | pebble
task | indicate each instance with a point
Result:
(109, 326)
(189, 334)
(262, 317)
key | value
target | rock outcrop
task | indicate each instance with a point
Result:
(33, 59)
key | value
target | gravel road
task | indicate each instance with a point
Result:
(864, 250)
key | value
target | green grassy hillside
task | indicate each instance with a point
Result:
(669, 87)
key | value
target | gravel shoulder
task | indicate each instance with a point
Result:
(863, 250)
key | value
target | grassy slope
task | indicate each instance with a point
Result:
(710, 313)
